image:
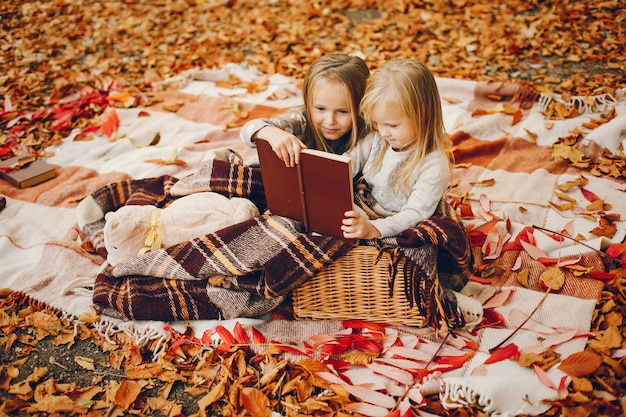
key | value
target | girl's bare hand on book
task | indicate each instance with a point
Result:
(284, 144)
(355, 226)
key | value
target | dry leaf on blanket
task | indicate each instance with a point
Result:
(552, 278)
(581, 364)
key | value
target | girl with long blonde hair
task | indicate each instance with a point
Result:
(407, 163)
(329, 120)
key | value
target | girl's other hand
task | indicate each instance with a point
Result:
(355, 226)
(286, 146)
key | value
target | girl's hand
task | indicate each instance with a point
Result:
(355, 226)
(284, 144)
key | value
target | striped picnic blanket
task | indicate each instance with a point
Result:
(259, 261)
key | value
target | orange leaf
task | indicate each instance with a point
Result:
(581, 364)
(509, 351)
(110, 123)
(206, 336)
(257, 337)
(517, 116)
(363, 324)
(616, 249)
(240, 334)
(227, 338)
(255, 402)
(453, 362)
(600, 275)
(287, 348)
(127, 393)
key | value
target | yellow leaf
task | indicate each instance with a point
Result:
(596, 205)
(85, 363)
(522, 277)
(552, 278)
(567, 152)
(451, 100)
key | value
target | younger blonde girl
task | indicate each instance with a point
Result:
(406, 163)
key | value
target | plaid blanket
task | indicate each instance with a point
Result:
(226, 274)
(429, 284)
(179, 282)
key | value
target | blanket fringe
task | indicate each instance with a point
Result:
(21, 298)
(582, 104)
(458, 395)
(105, 327)
(141, 336)
(526, 94)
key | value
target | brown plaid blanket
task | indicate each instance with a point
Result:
(429, 282)
(247, 269)
(259, 261)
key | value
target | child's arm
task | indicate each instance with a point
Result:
(356, 226)
(282, 132)
(284, 144)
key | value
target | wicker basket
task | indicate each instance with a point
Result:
(353, 287)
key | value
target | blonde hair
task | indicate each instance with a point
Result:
(408, 86)
(351, 72)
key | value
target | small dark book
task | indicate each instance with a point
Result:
(317, 191)
(26, 171)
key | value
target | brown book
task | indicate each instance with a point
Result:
(25, 171)
(317, 191)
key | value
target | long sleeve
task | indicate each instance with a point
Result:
(409, 207)
(431, 184)
(293, 121)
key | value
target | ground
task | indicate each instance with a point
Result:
(50, 49)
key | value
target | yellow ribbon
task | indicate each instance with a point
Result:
(154, 238)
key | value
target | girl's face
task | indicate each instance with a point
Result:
(396, 129)
(330, 110)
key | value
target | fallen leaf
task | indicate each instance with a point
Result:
(255, 402)
(552, 278)
(506, 352)
(85, 363)
(126, 393)
(580, 364)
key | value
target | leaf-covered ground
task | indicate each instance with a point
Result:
(49, 50)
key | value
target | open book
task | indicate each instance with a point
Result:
(317, 191)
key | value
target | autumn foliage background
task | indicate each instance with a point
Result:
(51, 49)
